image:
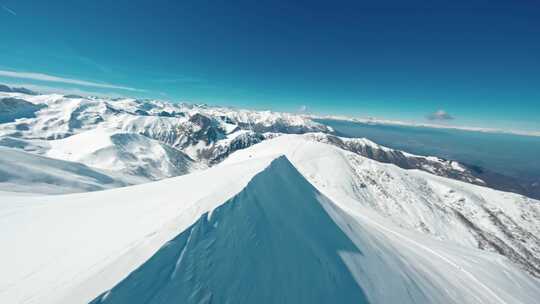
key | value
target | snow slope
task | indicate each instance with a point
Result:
(282, 241)
(449, 210)
(259, 226)
(70, 248)
(206, 134)
(146, 138)
(278, 218)
(29, 173)
(128, 153)
(271, 243)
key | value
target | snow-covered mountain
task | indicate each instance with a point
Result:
(13, 108)
(243, 207)
(29, 173)
(367, 148)
(288, 220)
(207, 135)
(146, 139)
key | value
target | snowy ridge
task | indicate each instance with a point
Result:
(243, 212)
(272, 229)
(205, 134)
(167, 134)
(320, 252)
(473, 216)
(78, 245)
(434, 165)
(219, 258)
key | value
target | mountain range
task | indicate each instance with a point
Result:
(108, 200)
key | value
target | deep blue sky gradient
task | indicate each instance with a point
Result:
(477, 60)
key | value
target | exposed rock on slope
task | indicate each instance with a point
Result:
(438, 166)
(14, 108)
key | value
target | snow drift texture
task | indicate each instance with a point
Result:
(271, 243)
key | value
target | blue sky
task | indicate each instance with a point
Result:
(477, 61)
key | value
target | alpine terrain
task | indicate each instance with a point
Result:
(120, 200)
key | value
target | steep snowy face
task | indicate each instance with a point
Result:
(273, 242)
(70, 248)
(128, 153)
(281, 240)
(473, 216)
(59, 117)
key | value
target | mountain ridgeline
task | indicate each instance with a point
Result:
(208, 204)
(204, 134)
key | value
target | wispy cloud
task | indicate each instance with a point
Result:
(439, 115)
(181, 79)
(44, 89)
(90, 62)
(7, 9)
(51, 78)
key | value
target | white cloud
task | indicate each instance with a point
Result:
(64, 91)
(50, 78)
(439, 115)
(180, 79)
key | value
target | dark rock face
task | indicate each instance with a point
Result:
(142, 113)
(14, 108)
(73, 96)
(201, 120)
(76, 121)
(441, 167)
(5, 88)
(437, 166)
(278, 127)
(216, 154)
(209, 130)
(515, 248)
(170, 114)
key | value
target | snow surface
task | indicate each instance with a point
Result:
(448, 210)
(258, 227)
(130, 153)
(284, 219)
(70, 248)
(25, 172)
